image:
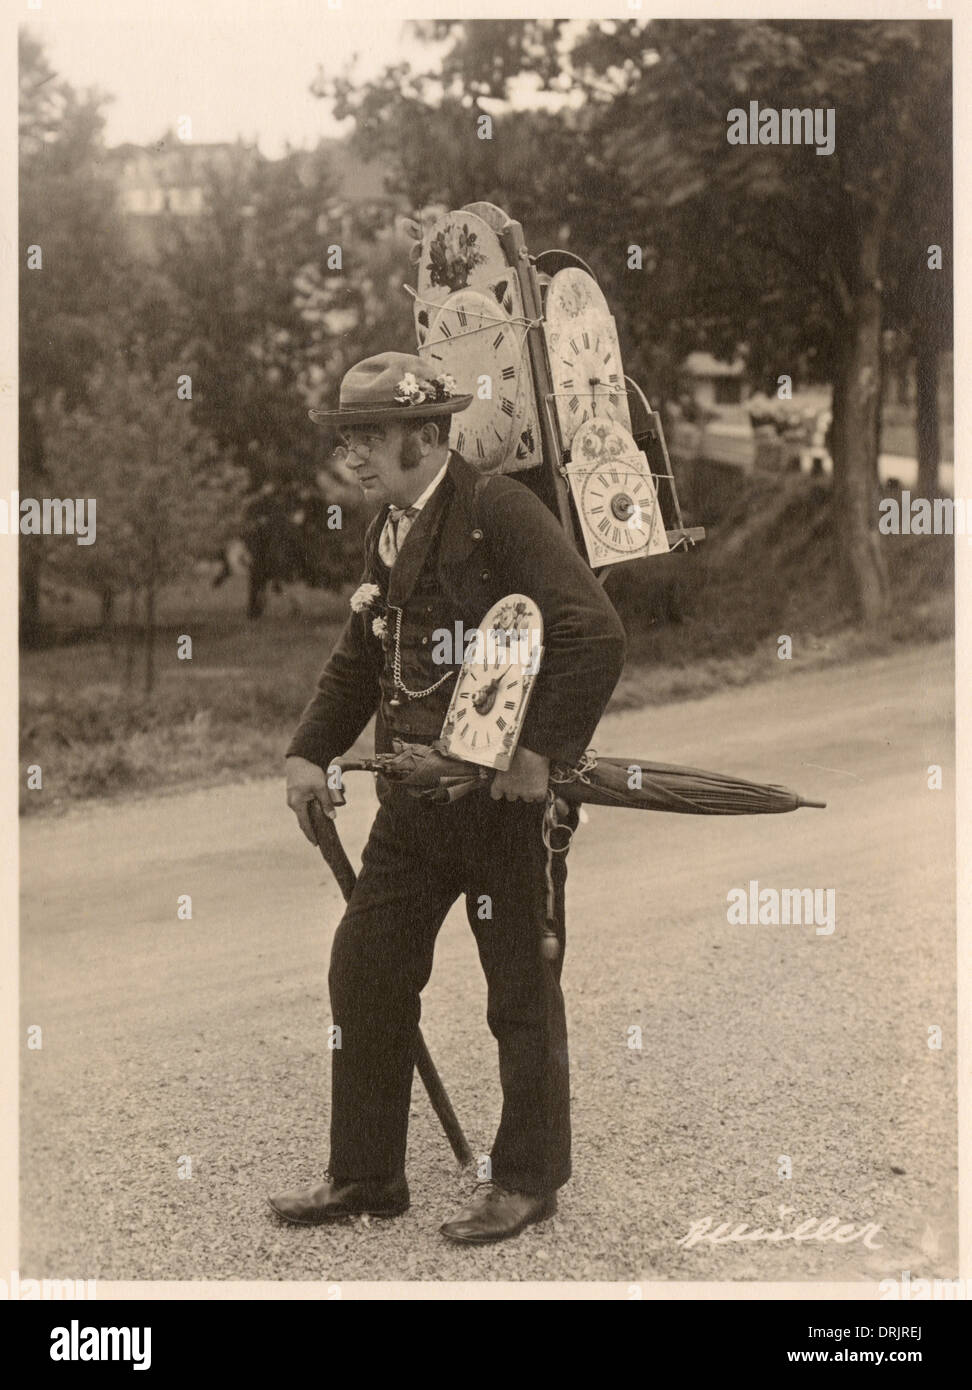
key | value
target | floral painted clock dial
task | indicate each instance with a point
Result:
(471, 338)
(461, 251)
(492, 692)
(582, 347)
(614, 495)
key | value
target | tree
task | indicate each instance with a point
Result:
(254, 283)
(69, 305)
(164, 494)
(918, 273)
(775, 246)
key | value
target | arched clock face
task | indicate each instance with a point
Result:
(490, 697)
(614, 494)
(471, 338)
(582, 347)
(493, 216)
(462, 251)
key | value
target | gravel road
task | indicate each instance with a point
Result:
(167, 1039)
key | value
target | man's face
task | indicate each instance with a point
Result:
(376, 461)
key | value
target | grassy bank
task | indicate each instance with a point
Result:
(696, 624)
(768, 570)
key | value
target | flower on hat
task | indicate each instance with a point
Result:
(363, 597)
(409, 386)
(411, 391)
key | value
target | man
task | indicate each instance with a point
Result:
(446, 544)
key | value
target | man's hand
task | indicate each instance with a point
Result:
(305, 783)
(526, 779)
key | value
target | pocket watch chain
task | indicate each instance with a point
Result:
(397, 666)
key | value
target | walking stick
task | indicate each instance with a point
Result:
(333, 853)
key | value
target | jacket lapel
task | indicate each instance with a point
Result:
(375, 566)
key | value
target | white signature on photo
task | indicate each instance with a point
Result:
(831, 1229)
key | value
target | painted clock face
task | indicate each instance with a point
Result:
(461, 251)
(582, 347)
(458, 252)
(614, 494)
(472, 338)
(490, 697)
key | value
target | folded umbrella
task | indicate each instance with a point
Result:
(634, 783)
(426, 771)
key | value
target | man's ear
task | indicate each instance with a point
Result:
(429, 434)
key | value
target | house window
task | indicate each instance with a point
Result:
(186, 201)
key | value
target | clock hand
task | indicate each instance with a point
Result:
(497, 679)
(484, 699)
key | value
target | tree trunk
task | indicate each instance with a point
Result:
(130, 637)
(879, 412)
(31, 625)
(107, 608)
(926, 381)
(902, 377)
(31, 469)
(150, 634)
(855, 432)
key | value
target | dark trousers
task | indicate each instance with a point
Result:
(418, 859)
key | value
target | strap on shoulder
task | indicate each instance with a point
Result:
(479, 487)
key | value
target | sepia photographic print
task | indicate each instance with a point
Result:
(484, 540)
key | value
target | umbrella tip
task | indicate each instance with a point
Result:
(820, 805)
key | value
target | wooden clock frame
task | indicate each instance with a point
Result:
(551, 485)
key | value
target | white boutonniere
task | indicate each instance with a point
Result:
(369, 596)
(363, 597)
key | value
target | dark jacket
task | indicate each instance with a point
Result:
(478, 538)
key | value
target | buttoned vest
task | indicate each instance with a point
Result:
(426, 610)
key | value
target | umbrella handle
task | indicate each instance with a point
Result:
(332, 851)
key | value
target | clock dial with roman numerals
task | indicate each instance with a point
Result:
(472, 338)
(615, 496)
(582, 347)
(491, 694)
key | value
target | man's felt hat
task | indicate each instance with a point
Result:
(391, 386)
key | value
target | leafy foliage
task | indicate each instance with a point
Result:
(776, 247)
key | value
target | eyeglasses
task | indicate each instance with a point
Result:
(360, 447)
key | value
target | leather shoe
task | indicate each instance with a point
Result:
(496, 1214)
(334, 1199)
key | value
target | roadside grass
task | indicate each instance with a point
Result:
(224, 716)
(696, 624)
